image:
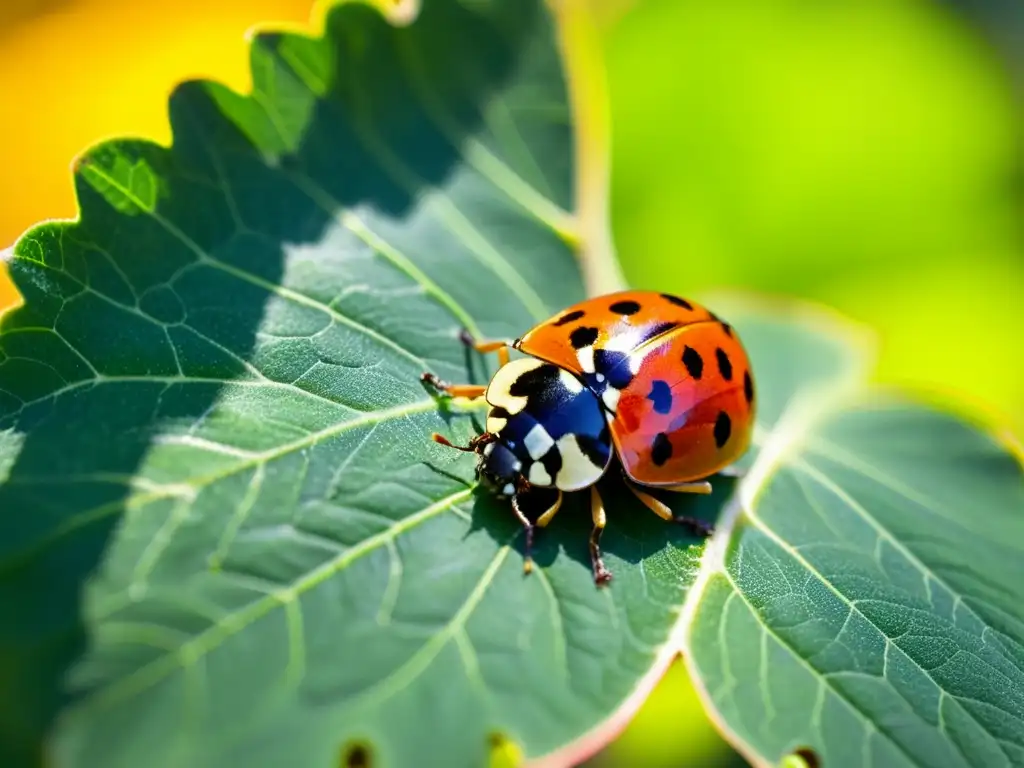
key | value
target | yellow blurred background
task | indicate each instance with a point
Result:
(862, 153)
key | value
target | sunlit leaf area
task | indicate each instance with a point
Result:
(235, 236)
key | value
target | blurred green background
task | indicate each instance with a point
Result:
(866, 154)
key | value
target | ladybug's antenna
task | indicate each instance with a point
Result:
(445, 441)
(474, 444)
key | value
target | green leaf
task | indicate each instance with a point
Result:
(225, 535)
(865, 602)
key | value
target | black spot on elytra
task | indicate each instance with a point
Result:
(569, 317)
(724, 364)
(583, 337)
(661, 449)
(677, 301)
(748, 387)
(723, 428)
(661, 396)
(693, 361)
(727, 328)
(625, 307)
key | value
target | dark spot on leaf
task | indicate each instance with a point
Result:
(723, 428)
(677, 301)
(748, 387)
(724, 364)
(583, 337)
(356, 756)
(569, 317)
(504, 752)
(661, 396)
(809, 756)
(661, 449)
(625, 307)
(693, 362)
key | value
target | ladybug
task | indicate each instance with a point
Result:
(658, 382)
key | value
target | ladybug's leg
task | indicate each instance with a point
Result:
(472, 391)
(662, 510)
(601, 574)
(542, 520)
(501, 346)
(701, 486)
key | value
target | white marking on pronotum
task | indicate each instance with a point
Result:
(495, 424)
(499, 391)
(577, 471)
(600, 378)
(537, 441)
(539, 474)
(586, 358)
(570, 382)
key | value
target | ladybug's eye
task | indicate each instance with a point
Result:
(499, 467)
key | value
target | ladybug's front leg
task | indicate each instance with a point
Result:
(501, 346)
(601, 574)
(472, 391)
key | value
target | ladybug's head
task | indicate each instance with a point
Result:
(499, 469)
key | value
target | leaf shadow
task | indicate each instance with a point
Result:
(138, 316)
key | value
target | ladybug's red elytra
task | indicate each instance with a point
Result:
(653, 379)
